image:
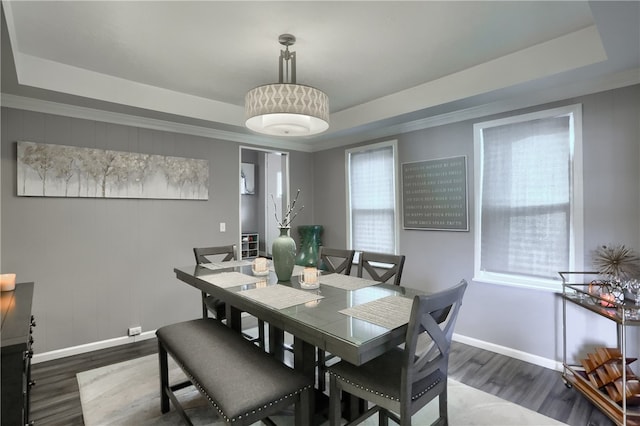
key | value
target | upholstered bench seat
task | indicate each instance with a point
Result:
(243, 383)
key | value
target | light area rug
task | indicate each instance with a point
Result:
(128, 393)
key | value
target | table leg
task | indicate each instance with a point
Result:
(276, 342)
(304, 360)
(234, 318)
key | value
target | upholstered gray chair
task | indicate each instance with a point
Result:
(215, 305)
(402, 381)
(334, 260)
(381, 266)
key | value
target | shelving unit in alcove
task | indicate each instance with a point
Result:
(250, 244)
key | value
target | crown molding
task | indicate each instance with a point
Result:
(532, 98)
(519, 101)
(66, 110)
(515, 102)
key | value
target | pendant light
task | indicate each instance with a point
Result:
(286, 108)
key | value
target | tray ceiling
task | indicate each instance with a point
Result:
(381, 63)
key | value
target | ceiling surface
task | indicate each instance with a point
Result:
(386, 66)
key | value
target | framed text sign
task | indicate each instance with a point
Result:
(434, 194)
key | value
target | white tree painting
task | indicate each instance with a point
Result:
(46, 170)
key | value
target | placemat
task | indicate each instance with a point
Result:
(227, 264)
(346, 282)
(280, 296)
(389, 312)
(230, 279)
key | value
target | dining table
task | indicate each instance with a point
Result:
(353, 318)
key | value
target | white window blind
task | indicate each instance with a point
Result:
(372, 198)
(526, 198)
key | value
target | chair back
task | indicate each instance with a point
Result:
(338, 261)
(381, 266)
(435, 315)
(225, 252)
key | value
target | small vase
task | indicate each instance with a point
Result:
(283, 251)
(310, 242)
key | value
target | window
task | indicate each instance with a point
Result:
(528, 198)
(371, 198)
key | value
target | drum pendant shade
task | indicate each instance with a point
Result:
(287, 109)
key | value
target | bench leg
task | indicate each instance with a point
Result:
(166, 390)
(164, 379)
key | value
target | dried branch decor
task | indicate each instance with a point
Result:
(289, 215)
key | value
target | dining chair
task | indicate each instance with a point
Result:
(338, 261)
(403, 380)
(213, 304)
(334, 260)
(381, 266)
(207, 255)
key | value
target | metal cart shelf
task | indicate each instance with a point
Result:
(624, 314)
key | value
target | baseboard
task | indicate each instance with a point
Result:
(103, 344)
(93, 346)
(510, 352)
(117, 341)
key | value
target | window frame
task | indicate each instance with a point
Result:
(576, 211)
(396, 204)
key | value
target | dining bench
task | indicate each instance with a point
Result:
(242, 383)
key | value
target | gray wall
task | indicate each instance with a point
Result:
(523, 320)
(104, 265)
(101, 266)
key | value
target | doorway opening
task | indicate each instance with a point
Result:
(264, 193)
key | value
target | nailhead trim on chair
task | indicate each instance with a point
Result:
(414, 397)
(357, 385)
(221, 413)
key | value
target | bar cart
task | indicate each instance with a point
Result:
(605, 377)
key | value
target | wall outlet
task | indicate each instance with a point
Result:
(223, 227)
(134, 331)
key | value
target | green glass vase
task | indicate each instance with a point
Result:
(310, 242)
(283, 251)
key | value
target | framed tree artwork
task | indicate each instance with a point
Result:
(46, 170)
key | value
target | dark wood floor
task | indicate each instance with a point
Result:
(56, 401)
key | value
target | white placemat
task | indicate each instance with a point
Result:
(280, 296)
(227, 264)
(346, 282)
(389, 312)
(230, 279)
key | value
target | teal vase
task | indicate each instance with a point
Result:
(310, 242)
(283, 251)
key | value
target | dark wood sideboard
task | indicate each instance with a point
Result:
(16, 352)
